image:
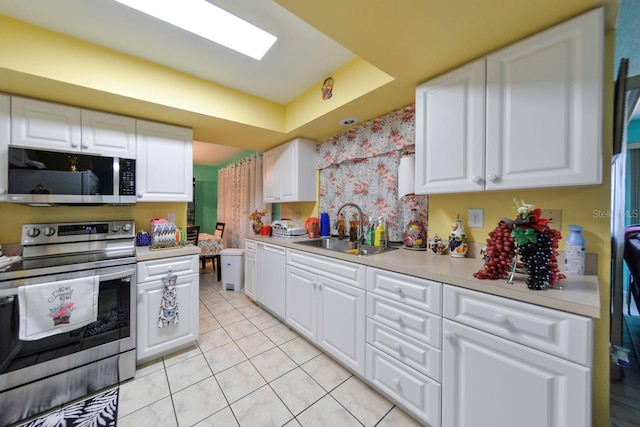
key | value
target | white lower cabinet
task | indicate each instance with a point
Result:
(404, 327)
(416, 393)
(501, 367)
(153, 341)
(327, 311)
(249, 269)
(489, 381)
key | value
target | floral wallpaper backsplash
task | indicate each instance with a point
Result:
(361, 166)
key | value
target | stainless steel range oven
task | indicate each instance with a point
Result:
(39, 374)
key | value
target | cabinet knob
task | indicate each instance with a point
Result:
(85, 145)
(500, 318)
(476, 179)
(448, 335)
(140, 293)
(2, 191)
(74, 144)
(397, 289)
(492, 177)
(170, 269)
(397, 318)
(396, 383)
(397, 347)
(315, 284)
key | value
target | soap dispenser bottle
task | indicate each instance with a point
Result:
(380, 238)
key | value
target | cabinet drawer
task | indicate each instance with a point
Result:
(413, 391)
(158, 268)
(342, 271)
(412, 352)
(416, 323)
(250, 246)
(420, 293)
(563, 334)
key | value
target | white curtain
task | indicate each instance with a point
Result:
(239, 193)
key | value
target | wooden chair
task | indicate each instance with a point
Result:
(215, 258)
(192, 234)
(219, 229)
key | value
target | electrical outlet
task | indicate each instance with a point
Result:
(475, 217)
(554, 216)
(171, 217)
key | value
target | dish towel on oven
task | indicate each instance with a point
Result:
(169, 302)
(53, 308)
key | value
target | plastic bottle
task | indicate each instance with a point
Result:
(574, 251)
(325, 225)
(371, 231)
(380, 238)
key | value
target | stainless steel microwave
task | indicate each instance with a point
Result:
(39, 177)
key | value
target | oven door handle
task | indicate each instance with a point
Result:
(129, 272)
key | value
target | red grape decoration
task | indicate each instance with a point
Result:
(532, 240)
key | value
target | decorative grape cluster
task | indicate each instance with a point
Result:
(499, 253)
(532, 240)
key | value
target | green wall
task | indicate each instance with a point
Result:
(206, 197)
(206, 194)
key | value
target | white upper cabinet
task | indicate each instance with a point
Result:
(108, 134)
(5, 137)
(164, 165)
(540, 124)
(450, 131)
(50, 126)
(40, 124)
(289, 172)
(544, 108)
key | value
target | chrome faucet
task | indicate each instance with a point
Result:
(360, 236)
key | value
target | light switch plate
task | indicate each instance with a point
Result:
(475, 217)
(554, 216)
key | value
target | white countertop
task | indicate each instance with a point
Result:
(576, 294)
(144, 253)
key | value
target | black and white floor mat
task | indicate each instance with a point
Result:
(100, 410)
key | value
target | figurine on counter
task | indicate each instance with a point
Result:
(458, 240)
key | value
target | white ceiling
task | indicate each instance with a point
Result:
(300, 58)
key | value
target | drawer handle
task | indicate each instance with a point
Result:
(140, 293)
(476, 179)
(397, 347)
(448, 335)
(170, 269)
(398, 290)
(396, 383)
(500, 318)
(397, 318)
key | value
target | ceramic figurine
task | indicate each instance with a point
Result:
(458, 240)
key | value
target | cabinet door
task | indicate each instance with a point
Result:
(39, 124)
(544, 108)
(5, 136)
(164, 165)
(269, 173)
(341, 322)
(287, 177)
(488, 381)
(301, 302)
(108, 134)
(450, 131)
(153, 341)
(250, 275)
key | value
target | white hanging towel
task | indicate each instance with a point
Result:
(169, 302)
(56, 307)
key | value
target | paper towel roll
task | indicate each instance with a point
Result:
(406, 176)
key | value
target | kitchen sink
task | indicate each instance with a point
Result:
(345, 246)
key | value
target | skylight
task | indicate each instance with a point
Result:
(206, 20)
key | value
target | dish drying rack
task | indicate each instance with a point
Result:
(164, 234)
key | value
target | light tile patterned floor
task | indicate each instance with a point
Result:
(249, 369)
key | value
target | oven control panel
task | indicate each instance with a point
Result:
(42, 234)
